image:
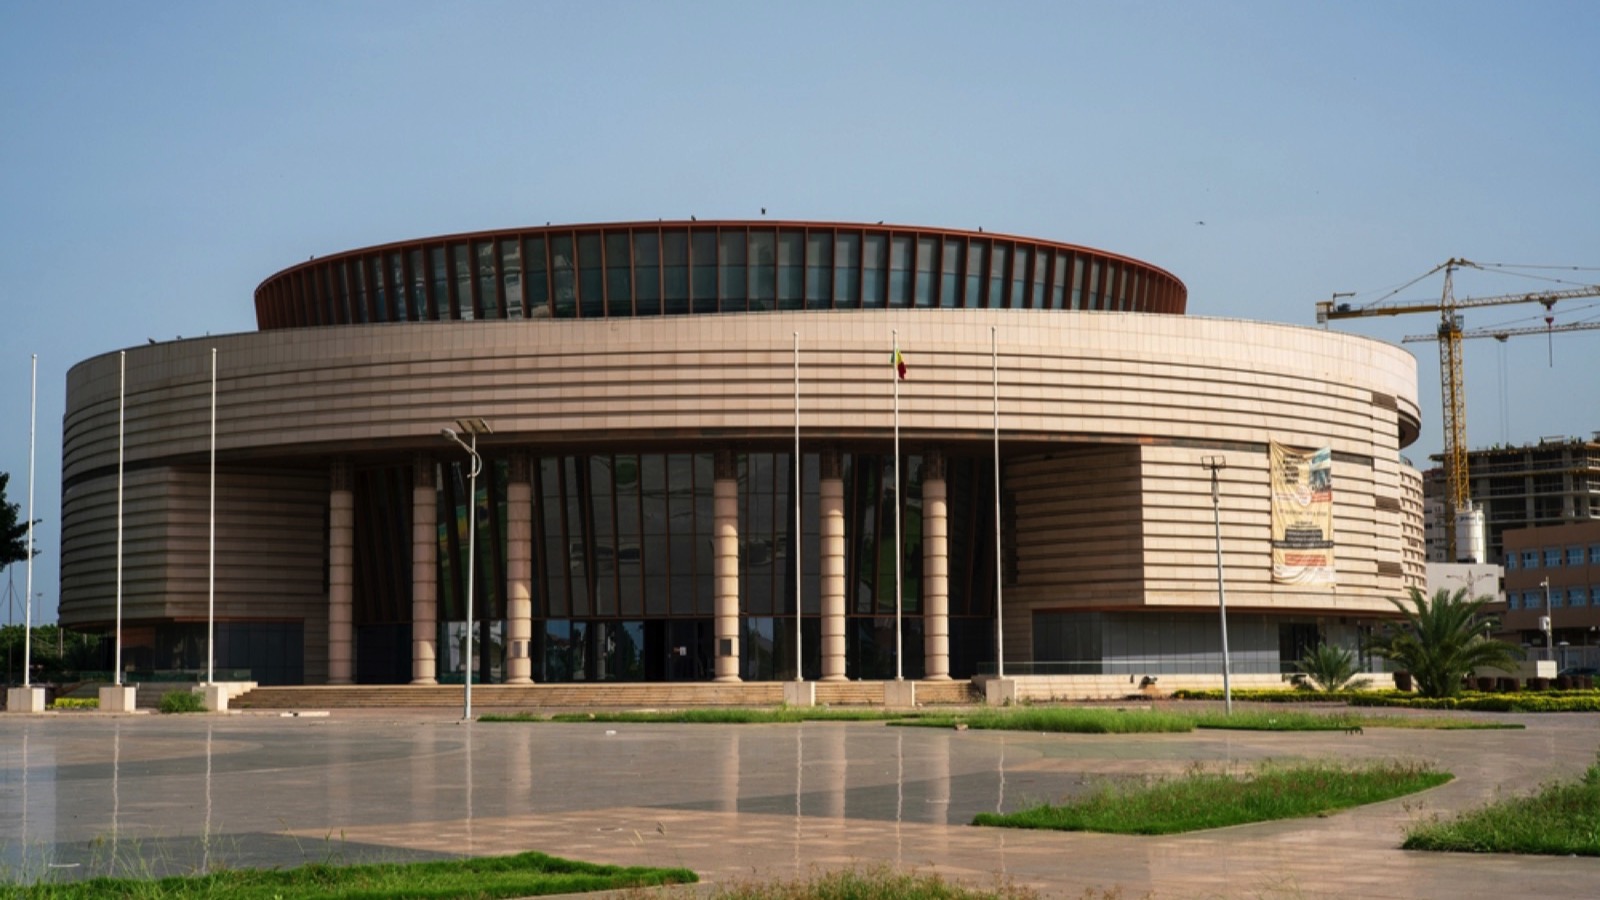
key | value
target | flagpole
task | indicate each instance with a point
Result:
(27, 600)
(799, 605)
(211, 565)
(899, 640)
(999, 618)
(122, 413)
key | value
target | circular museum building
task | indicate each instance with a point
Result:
(1007, 449)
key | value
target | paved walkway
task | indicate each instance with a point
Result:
(86, 793)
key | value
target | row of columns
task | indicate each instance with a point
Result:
(725, 571)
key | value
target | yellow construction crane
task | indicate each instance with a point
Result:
(1500, 333)
(1458, 497)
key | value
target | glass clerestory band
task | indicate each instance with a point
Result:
(687, 268)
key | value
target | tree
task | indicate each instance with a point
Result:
(1443, 639)
(1332, 668)
(13, 533)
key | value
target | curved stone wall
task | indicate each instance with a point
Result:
(1104, 417)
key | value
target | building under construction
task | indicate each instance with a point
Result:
(1555, 481)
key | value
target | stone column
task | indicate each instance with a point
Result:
(341, 578)
(519, 572)
(424, 572)
(725, 564)
(832, 566)
(935, 569)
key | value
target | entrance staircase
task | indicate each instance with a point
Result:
(608, 695)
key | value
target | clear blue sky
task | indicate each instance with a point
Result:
(158, 160)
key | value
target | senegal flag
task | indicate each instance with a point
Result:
(899, 363)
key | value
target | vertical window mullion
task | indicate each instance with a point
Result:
(633, 310)
(605, 312)
(495, 253)
(916, 273)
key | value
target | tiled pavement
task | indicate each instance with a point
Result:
(738, 802)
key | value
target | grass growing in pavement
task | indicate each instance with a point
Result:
(1202, 799)
(1562, 819)
(875, 884)
(522, 875)
(1075, 720)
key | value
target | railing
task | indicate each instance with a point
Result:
(181, 676)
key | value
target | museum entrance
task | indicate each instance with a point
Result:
(579, 650)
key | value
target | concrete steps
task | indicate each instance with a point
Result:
(579, 696)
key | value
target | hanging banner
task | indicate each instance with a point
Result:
(1302, 515)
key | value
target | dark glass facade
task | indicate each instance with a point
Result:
(622, 566)
(682, 268)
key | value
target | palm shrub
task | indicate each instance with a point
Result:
(1440, 640)
(1332, 668)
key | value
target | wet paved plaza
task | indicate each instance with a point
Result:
(92, 793)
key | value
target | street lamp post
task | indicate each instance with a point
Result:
(1216, 464)
(1548, 623)
(473, 428)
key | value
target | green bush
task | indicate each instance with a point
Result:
(76, 703)
(1283, 695)
(1442, 639)
(1571, 701)
(1332, 669)
(182, 702)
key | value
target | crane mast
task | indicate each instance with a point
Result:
(1458, 492)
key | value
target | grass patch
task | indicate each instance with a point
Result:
(1057, 719)
(1295, 720)
(1201, 799)
(1090, 720)
(778, 715)
(1561, 819)
(875, 884)
(182, 702)
(75, 703)
(1067, 719)
(522, 875)
(1278, 720)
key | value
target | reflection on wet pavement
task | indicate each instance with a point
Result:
(89, 795)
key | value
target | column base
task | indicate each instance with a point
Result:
(999, 691)
(25, 700)
(120, 698)
(799, 693)
(425, 681)
(899, 694)
(216, 697)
